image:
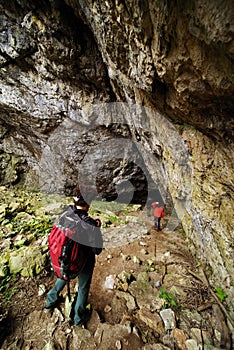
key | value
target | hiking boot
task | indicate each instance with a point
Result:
(51, 307)
(81, 324)
(54, 304)
(48, 309)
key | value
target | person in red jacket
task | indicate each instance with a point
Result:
(91, 245)
(158, 214)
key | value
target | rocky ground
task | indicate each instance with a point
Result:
(147, 293)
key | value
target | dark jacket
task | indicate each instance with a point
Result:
(87, 232)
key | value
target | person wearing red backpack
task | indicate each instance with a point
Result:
(90, 243)
(158, 209)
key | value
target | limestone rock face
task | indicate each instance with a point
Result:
(177, 56)
(119, 90)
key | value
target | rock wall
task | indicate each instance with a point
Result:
(179, 55)
(156, 77)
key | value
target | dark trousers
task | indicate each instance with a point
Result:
(85, 276)
(157, 222)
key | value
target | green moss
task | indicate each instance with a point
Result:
(7, 289)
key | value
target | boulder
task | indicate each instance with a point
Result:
(28, 261)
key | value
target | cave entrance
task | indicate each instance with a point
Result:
(126, 182)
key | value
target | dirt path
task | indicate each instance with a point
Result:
(171, 261)
(114, 261)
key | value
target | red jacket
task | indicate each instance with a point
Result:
(158, 211)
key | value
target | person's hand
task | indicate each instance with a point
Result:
(99, 224)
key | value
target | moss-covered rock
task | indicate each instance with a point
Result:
(11, 168)
(3, 211)
(142, 291)
(28, 261)
(4, 258)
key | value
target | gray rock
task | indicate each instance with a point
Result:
(68, 305)
(142, 291)
(168, 317)
(109, 282)
(82, 340)
(222, 335)
(191, 344)
(130, 301)
(41, 290)
(50, 346)
(107, 335)
(93, 322)
(155, 347)
(152, 320)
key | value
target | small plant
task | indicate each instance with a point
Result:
(220, 294)
(4, 282)
(7, 290)
(180, 230)
(114, 219)
(168, 297)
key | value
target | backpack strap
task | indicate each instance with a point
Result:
(64, 259)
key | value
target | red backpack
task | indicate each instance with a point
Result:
(67, 256)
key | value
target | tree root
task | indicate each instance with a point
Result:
(206, 282)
